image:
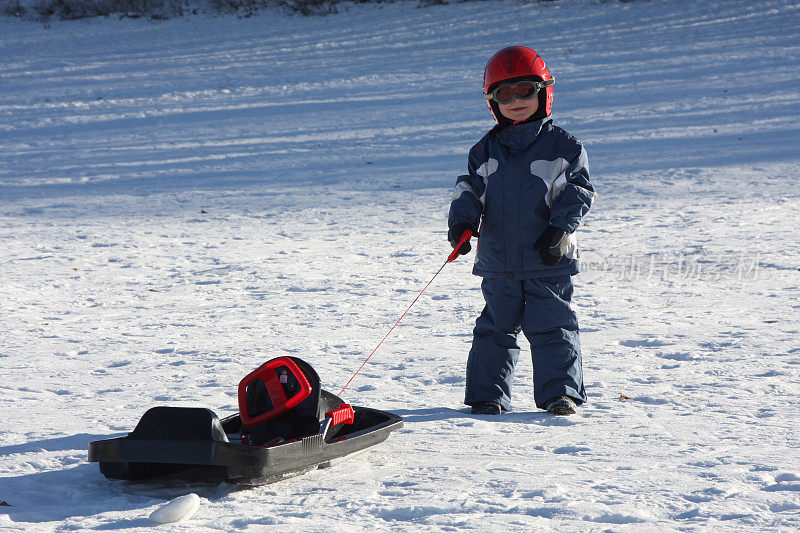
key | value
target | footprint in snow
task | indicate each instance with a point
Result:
(643, 343)
(678, 356)
(616, 518)
(782, 487)
(571, 449)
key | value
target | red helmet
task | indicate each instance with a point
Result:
(517, 62)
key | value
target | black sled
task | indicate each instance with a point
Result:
(287, 424)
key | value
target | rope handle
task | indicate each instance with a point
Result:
(467, 235)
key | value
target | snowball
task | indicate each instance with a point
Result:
(181, 508)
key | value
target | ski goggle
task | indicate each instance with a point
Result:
(523, 90)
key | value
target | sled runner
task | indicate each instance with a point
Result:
(287, 424)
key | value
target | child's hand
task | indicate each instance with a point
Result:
(455, 233)
(552, 245)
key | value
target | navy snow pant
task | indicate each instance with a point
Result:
(540, 307)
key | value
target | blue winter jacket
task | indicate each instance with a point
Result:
(520, 179)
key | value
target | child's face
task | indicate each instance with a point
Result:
(519, 110)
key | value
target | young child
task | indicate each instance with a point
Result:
(526, 189)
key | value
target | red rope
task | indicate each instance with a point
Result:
(464, 238)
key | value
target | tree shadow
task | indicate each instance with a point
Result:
(126, 523)
(73, 442)
(80, 491)
(540, 418)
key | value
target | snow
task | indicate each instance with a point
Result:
(181, 201)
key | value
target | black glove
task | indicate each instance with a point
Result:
(552, 245)
(455, 233)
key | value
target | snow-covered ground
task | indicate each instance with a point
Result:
(183, 200)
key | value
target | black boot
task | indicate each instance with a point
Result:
(486, 408)
(563, 405)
